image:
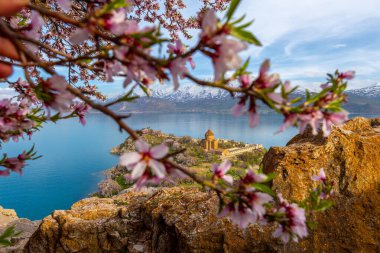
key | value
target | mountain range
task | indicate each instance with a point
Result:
(192, 98)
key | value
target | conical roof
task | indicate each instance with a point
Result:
(209, 133)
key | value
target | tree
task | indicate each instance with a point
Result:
(102, 39)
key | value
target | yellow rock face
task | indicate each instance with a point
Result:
(351, 157)
(6, 216)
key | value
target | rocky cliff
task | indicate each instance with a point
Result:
(184, 219)
(350, 156)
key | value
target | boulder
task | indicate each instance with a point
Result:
(6, 216)
(26, 228)
(350, 156)
(159, 220)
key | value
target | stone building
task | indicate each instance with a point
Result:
(209, 142)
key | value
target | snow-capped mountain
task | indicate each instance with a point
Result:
(372, 91)
(188, 92)
(194, 98)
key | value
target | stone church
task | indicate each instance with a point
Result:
(209, 142)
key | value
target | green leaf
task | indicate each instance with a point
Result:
(7, 235)
(116, 4)
(264, 188)
(325, 204)
(55, 117)
(144, 89)
(244, 25)
(242, 69)
(245, 36)
(233, 5)
(271, 176)
(312, 225)
(238, 20)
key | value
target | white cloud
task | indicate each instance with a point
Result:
(341, 45)
(6, 93)
(307, 19)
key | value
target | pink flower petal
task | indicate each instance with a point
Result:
(159, 151)
(254, 119)
(225, 166)
(142, 146)
(138, 170)
(229, 179)
(237, 109)
(79, 36)
(264, 67)
(64, 4)
(158, 168)
(129, 159)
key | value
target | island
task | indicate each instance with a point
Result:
(196, 154)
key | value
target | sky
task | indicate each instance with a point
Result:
(304, 39)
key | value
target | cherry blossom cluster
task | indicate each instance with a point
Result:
(321, 110)
(16, 164)
(147, 165)
(15, 120)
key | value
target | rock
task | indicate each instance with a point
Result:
(26, 229)
(168, 220)
(350, 156)
(6, 216)
(108, 187)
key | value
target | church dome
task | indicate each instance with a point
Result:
(209, 133)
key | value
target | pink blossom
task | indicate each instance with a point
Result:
(220, 171)
(326, 85)
(290, 120)
(287, 87)
(130, 27)
(257, 200)
(252, 177)
(136, 68)
(264, 80)
(54, 94)
(14, 120)
(313, 119)
(254, 118)
(237, 109)
(177, 66)
(275, 97)
(248, 208)
(349, 75)
(33, 30)
(209, 24)
(177, 69)
(330, 119)
(293, 224)
(245, 80)
(321, 177)
(116, 22)
(112, 68)
(178, 48)
(79, 35)
(15, 164)
(145, 163)
(226, 56)
(81, 109)
(64, 4)
(240, 215)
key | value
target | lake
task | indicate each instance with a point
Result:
(75, 156)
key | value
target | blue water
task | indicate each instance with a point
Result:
(74, 156)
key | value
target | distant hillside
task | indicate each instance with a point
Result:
(199, 99)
